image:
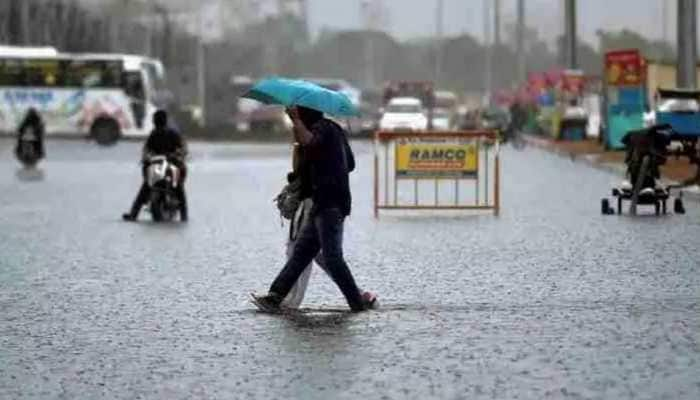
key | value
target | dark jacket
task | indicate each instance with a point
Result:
(329, 160)
(33, 120)
(164, 141)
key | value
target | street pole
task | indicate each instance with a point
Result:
(304, 5)
(148, 40)
(570, 27)
(24, 22)
(166, 33)
(687, 44)
(439, 15)
(270, 46)
(487, 50)
(522, 69)
(496, 23)
(201, 65)
(4, 23)
(369, 13)
(664, 24)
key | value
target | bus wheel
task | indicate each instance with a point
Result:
(105, 131)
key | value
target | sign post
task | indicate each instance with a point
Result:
(624, 94)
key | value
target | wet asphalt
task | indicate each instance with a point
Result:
(550, 300)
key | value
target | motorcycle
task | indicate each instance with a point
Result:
(647, 151)
(27, 150)
(163, 178)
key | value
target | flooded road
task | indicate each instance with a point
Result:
(549, 300)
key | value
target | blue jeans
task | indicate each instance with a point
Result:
(324, 234)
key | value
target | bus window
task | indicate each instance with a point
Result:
(42, 72)
(91, 79)
(11, 73)
(112, 76)
(72, 75)
(81, 74)
(16, 72)
(94, 74)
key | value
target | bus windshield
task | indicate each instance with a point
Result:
(155, 75)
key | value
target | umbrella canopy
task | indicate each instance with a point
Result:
(293, 92)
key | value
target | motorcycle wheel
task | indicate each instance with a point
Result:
(159, 208)
(27, 155)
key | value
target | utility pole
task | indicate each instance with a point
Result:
(4, 23)
(148, 39)
(570, 36)
(687, 44)
(487, 50)
(439, 18)
(520, 40)
(271, 46)
(368, 11)
(46, 18)
(304, 5)
(201, 65)
(24, 22)
(166, 33)
(62, 33)
(664, 23)
(113, 23)
(270, 43)
(496, 23)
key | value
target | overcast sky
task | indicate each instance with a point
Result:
(415, 18)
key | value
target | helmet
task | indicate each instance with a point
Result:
(160, 119)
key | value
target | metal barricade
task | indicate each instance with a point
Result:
(462, 159)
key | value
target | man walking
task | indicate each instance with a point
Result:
(327, 152)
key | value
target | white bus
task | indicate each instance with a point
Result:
(102, 96)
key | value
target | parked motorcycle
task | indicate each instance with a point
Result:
(163, 178)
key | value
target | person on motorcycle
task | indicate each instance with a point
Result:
(166, 142)
(32, 124)
(649, 142)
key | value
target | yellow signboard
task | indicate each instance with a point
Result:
(436, 160)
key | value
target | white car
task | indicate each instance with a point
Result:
(442, 119)
(404, 113)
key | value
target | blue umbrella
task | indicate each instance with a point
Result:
(294, 92)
